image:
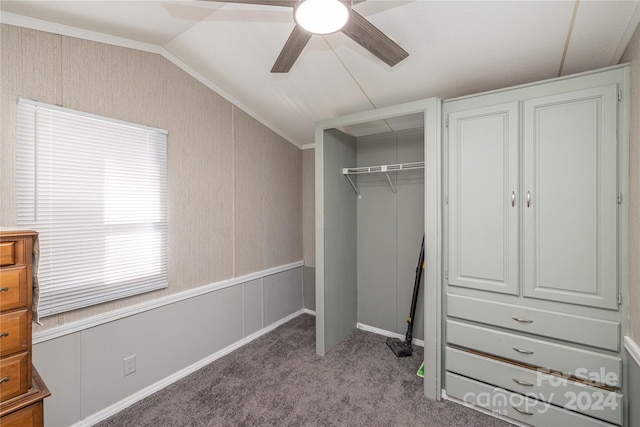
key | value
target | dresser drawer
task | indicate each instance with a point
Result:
(14, 375)
(7, 253)
(13, 288)
(579, 329)
(30, 416)
(515, 406)
(15, 328)
(584, 364)
(562, 392)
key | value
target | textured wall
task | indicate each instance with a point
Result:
(22, 77)
(632, 55)
(234, 186)
(268, 197)
(309, 208)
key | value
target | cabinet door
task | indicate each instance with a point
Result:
(483, 210)
(570, 182)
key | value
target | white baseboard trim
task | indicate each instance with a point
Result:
(308, 311)
(113, 315)
(153, 388)
(386, 333)
(632, 349)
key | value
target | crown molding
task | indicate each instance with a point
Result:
(69, 31)
(66, 30)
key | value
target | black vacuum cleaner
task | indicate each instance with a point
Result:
(403, 348)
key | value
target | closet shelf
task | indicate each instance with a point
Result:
(380, 169)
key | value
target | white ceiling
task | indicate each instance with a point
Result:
(455, 48)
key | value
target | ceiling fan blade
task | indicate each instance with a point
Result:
(287, 3)
(375, 41)
(291, 50)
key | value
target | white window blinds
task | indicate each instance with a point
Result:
(95, 190)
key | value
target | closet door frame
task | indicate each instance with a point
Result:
(327, 293)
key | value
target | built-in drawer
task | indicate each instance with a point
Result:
(579, 329)
(562, 392)
(31, 415)
(588, 365)
(14, 375)
(7, 253)
(13, 288)
(14, 331)
(515, 406)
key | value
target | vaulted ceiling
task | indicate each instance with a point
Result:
(455, 48)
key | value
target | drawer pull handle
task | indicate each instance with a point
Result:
(4, 334)
(521, 411)
(4, 289)
(521, 320)
(528, 199)
(522, 383)
(4, 380)
(519, 350)
(513, 199)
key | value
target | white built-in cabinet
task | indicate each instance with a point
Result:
(568, 197)
(483, 187)
(535, 232)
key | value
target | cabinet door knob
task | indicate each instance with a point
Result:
(521, 320)
(521, 351)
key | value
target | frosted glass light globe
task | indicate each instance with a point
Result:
(321, 16)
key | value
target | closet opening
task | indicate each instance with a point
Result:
(377, 194)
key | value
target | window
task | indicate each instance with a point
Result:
(95, 190)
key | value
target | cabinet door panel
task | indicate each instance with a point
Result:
(483, 219)
(570, 163)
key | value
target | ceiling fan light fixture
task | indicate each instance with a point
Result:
(321, 16)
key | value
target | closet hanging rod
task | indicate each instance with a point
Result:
(380, 169)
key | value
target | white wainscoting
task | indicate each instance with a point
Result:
(82, 363)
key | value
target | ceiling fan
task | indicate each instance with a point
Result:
(353, 25)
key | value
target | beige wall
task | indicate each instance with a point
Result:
(234, 186)
(309, 207)
(632, 55)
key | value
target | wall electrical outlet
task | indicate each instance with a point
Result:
(129, 364)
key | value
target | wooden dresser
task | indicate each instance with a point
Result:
(21, 389)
